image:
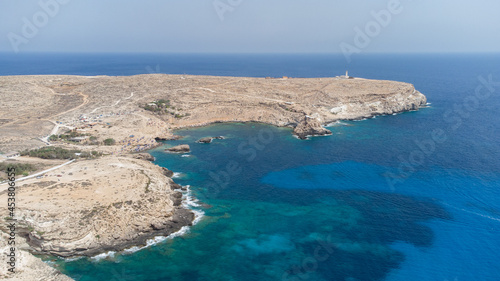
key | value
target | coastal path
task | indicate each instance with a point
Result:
(42, 172)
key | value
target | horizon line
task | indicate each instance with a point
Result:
(249, 53)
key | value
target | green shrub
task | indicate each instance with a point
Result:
(109, 141)
(51, 152)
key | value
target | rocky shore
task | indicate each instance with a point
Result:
(122, 203)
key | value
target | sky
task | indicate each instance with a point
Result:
(249, 26)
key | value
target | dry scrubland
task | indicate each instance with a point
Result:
(114, 201)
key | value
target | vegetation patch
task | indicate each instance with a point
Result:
(160, 106)
(163, 107)
(109, 141)
(51, 152)
(68, 136)
(21, 168)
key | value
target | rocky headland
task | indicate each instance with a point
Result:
(94, 206)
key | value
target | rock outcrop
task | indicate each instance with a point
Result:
(167, 172)
(143, 156)
(183, 148)
(310, 127)
(209, 139)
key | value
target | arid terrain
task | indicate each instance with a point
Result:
(32, 106)
(113, 199)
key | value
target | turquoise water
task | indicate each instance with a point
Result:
(314, 215)
(409, 197)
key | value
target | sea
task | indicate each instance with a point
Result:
(413, 196)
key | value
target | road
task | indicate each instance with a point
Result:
(41, 173)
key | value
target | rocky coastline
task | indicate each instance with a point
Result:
(121, 200)
(143, 203)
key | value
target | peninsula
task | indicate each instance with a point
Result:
(112, 198)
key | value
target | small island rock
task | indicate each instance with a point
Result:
(209, 139)
(205, 140)
(183, 148)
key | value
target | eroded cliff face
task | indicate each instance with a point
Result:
(94, 206)
(407, 99)
(402, 99)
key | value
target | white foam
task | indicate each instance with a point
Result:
(186, 155)
(73, 259)
(177, 175)
(110, 254)
(190, 202)
(180, 232)
(336, 124)
(198, 215)
(357, 120)
(156, 240)
(131, 250)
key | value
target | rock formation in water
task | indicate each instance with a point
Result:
(209, 139)
(183, 148)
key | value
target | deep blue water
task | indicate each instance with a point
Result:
(409, 197)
